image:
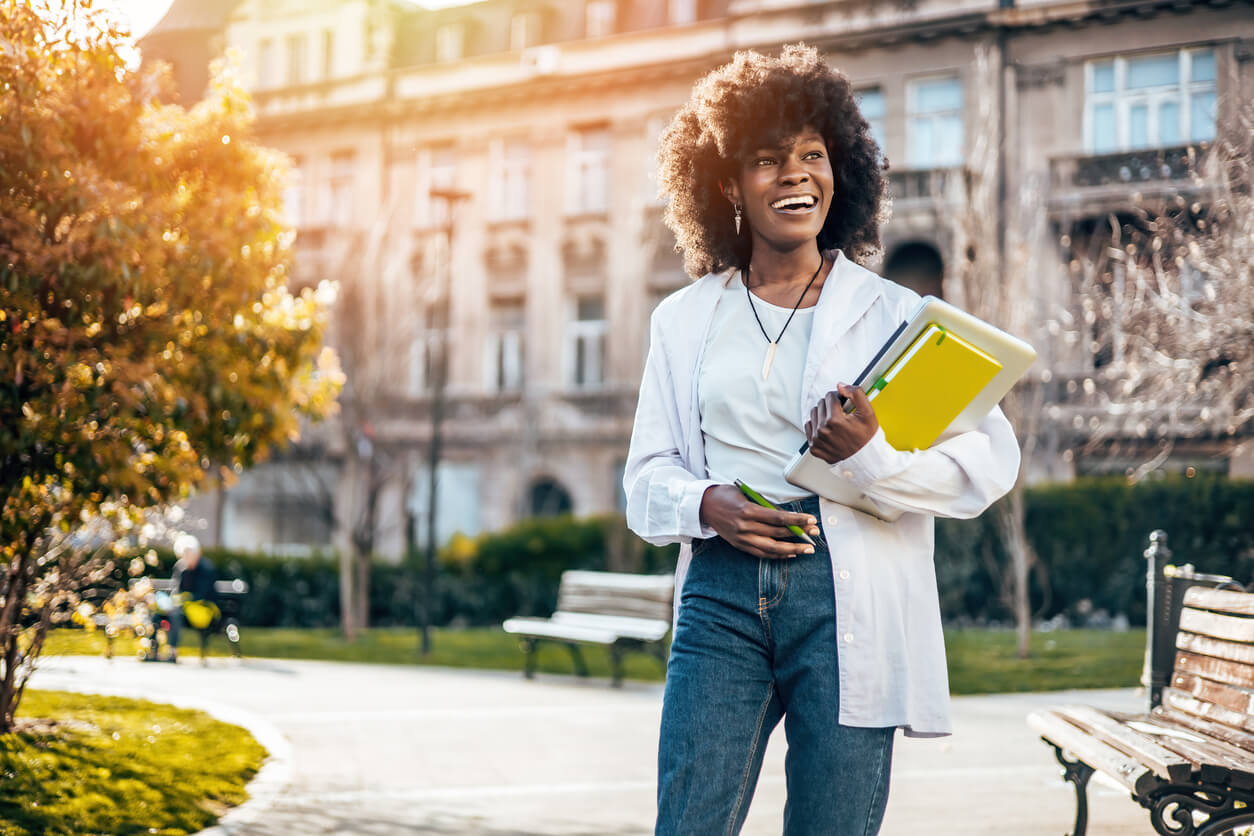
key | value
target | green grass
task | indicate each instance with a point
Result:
(985, 662)
(980, 661)
(484, 648)
(119, 766)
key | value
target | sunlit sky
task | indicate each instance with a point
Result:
(144, 14)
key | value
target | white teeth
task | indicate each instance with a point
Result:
(794, 203)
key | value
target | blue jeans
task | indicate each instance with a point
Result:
(756, 641)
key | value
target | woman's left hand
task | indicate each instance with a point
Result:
(834, 434)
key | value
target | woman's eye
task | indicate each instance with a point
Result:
(763, 161)
(814, 155)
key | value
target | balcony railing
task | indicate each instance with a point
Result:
(1128, 168)
(926, 186)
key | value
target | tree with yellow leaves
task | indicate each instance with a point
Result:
(147, 338)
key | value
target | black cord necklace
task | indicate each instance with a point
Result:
(772, 343)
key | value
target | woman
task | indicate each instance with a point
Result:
(775, 190)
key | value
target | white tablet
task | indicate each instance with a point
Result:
(812, 473)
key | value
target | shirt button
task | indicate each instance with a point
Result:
(848, 638)
(848, 474)
(844, 574)
(833, 519)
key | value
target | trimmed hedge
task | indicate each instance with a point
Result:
(1089, 536)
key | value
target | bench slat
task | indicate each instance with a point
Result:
(1219, 670)
(1216, 648)
(664, 584)
(1242, 743)
(545, 629)
(1186, 703)
(1230, 627)
(1089, 749)
(643, 629)
(613, 605)
(615, 594)
(1234, 699)
(1220, 600)
(1218, 760)
(1132, 743)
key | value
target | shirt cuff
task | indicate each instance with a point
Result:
(876, 459)
(690, 510)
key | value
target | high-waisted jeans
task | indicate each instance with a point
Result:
(756, 641)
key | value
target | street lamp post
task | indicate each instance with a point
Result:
(439, 375)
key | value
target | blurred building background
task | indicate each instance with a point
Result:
(546, 116)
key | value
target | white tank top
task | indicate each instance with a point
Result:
(751, 426)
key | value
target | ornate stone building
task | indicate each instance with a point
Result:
(544, 117)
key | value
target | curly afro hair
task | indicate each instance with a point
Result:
(758, 101)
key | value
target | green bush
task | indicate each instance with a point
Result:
(480, 581)
(1089, 535)
(516, 571)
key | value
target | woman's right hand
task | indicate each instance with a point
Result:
(755, 530)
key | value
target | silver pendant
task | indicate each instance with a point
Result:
(770, 358)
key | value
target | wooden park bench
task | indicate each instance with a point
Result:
(115, 621)
(620, 611)
(1189, 759)
(230, 600)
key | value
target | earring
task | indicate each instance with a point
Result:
(737, 218)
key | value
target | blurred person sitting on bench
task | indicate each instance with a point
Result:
(193, 590)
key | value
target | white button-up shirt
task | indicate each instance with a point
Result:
(891, 651)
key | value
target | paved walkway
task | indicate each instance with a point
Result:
(389, 750)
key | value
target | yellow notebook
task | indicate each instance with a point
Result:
(929, 386)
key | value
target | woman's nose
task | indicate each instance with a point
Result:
(793, 172)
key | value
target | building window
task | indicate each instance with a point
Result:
(589, 173)
(524, 30)
(450, 43)
(296, 59)
(424, 351)
(585, 344)
(548, 498)
(871, 103)
(293, 194)
(437, 169)
(328, 53)
(503, 357)
(599, 18)
(511, 162)
(1149, 101)
(934, 122)
(457, 508)
(266, 65)
(682, 11)
(343, 165)
(620, 496)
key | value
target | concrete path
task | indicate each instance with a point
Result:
(395, 750)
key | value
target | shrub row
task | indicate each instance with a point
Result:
(1088, 535)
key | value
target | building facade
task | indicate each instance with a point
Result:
(480, 178)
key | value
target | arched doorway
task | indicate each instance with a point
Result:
(918, 266)
(547, 498)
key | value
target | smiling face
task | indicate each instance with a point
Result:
(785, 192)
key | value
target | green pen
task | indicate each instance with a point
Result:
(766, 503)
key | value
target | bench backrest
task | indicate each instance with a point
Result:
(1212, 679)
(614, 593)
(235, 586)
